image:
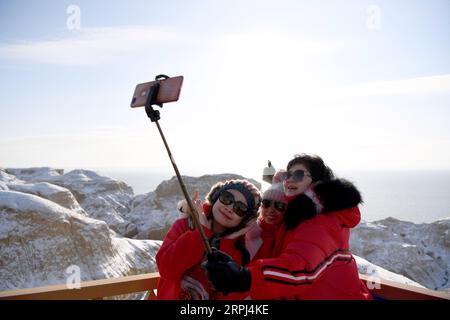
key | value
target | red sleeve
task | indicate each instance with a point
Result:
(300, 263)
(182, 249)
(228, 246)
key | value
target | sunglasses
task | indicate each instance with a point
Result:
(297, 175)
(279, 206)
(239, 207)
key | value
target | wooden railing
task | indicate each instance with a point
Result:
(98, 289)
(95, 289)
(391, 290)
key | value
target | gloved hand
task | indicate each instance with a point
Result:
(224, 273)
(214, 242)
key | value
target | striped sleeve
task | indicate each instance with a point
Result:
(299, 266)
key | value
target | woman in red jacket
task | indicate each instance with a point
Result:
(228, 212)
(311, 257)
(260, 240)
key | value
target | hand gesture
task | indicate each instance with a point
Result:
(224, 274)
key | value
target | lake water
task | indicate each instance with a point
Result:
(416, 196)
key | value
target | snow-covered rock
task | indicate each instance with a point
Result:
(155, 212)
(8, 178)
(378, 273)
(418, 251)
(46, 190)
(60, 195)
(37, 174)
(101, 197)
(40, 240)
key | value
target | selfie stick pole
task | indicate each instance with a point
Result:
(154, 117)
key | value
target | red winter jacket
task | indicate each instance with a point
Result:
(260, 240)
(179, 264)
(311, 261)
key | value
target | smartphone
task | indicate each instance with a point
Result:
(169, 91)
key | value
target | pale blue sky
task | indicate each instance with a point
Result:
(367, 90)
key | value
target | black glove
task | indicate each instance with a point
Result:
(224, 273)
(214, 242)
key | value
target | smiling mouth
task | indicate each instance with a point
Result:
(225, 214)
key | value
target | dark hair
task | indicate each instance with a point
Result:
(315, 165)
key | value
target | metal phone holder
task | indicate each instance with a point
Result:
(154, 116)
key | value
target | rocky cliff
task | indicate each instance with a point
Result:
(418, 251)
(40, 241)
(100, 197)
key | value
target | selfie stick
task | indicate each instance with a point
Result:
(154, 117)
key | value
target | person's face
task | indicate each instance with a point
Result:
(295, 184)
(272, 211)
(224, 214)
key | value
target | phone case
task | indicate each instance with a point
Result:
(169, 91)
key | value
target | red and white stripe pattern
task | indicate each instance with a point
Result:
(282, 275)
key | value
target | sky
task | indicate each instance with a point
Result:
(364, 84)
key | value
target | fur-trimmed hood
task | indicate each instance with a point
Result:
(337, 194)
(331, 196)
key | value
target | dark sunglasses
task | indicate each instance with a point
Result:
(297, 175)
(239, 207)
(279, 206)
